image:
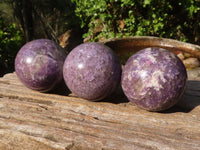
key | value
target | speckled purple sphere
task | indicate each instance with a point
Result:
(39, 64)
(154, 79)
(92, 71)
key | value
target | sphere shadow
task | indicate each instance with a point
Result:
(116, 97)
(190, 99)
(60, 89)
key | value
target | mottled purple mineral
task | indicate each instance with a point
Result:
(39, 64)
(154, 79)
(92, 71)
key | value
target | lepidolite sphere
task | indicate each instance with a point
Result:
(92, 71)
(154, 79)
(39, 64)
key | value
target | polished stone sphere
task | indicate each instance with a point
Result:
(154, 79)
(39, 64)
(92, 71)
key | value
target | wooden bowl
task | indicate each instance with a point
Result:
(125, 47)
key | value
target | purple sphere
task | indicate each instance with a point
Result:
(154, 79)
(39, 64)
(92, 71)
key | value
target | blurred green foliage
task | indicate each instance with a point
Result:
(11, 40)
(99, 20)
(104, 19)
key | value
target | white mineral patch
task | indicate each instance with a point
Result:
(135, 62)
(159, 74)
(154, 81)
(170, 56)
(148, 50)
(129, 76)
(152, 59)
(173, 55)
(143, 74)
(155, 54)
(88, 56)
(37, 66)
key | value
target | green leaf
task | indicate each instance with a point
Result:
(146, 2)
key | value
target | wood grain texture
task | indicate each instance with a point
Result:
(46, 121)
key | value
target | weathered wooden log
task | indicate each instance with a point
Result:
(46, 121)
